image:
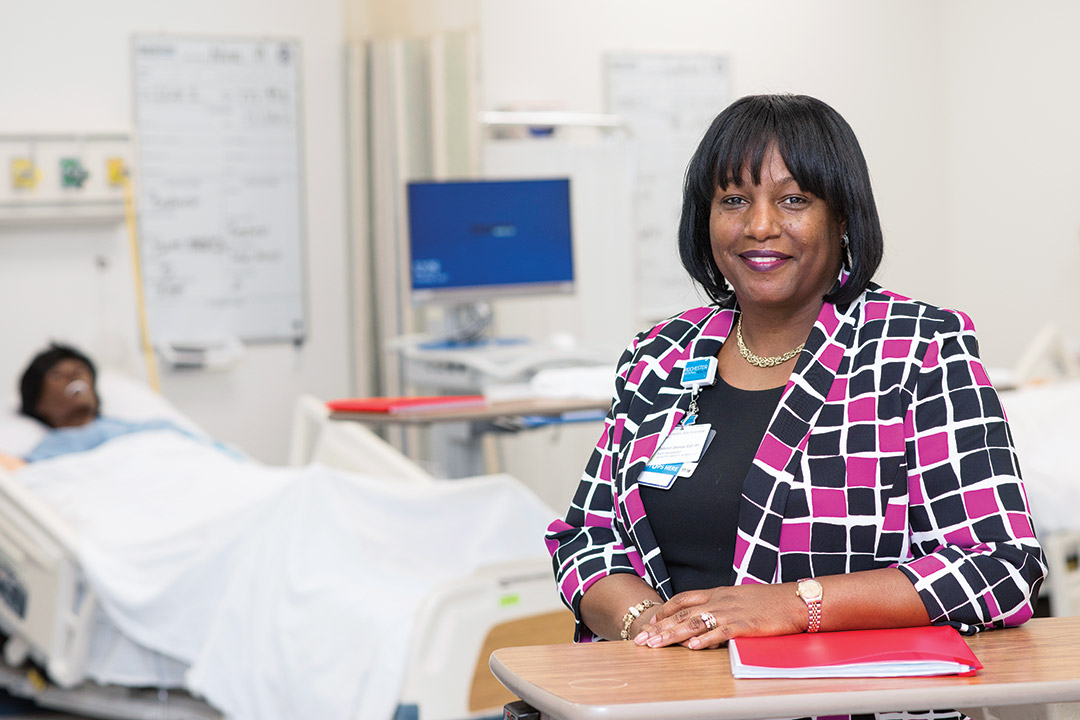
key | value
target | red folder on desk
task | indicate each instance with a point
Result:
(895, 652)
(395, 405)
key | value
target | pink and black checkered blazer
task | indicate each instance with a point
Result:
(889, 448)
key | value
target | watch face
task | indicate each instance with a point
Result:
(810, 590)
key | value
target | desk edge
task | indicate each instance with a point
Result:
(796, 705)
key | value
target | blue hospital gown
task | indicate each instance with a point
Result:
(62, 441)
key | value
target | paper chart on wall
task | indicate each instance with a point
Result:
(217, 126)
(666, 103)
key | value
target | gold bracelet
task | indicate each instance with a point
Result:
(633, 614)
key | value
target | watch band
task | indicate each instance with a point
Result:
(811, 592)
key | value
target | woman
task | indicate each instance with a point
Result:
(860, 473)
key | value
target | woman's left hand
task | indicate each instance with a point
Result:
(743, 610)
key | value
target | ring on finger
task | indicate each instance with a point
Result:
(709, 620)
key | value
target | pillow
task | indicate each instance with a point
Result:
(121, 397)
(18, 433)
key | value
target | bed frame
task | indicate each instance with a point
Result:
(1063, 577)
(47, 608)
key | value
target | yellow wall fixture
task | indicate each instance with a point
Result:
(115, 171)
(24, 173)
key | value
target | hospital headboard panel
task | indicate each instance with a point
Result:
(462, 621)
(1063, 579)
(350, 446)
(547, 628)
(309, 417)
(345, 445)
(1048, 357)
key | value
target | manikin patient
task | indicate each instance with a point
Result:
(248, 584)
(58, 388)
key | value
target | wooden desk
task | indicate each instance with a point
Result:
(546, 407)
(1036, 663)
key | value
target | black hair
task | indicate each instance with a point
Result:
(33, 378)
(821, 151)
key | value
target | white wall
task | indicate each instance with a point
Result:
(1013, 108)
(65, 67)
(879, 64)
(965, 109)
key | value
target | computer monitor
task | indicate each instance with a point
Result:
(475, 240)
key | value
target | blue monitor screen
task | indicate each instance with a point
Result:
(473, 239)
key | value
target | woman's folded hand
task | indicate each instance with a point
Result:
(702, 619)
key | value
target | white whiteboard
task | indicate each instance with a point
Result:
(217, 130)
(666, 102)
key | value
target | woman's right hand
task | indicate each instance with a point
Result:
(606, 602)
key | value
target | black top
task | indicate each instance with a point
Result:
(694, 521)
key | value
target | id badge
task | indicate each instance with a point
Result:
(681, 449)
(698, 373)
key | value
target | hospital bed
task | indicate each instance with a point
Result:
(1041, 396)
(48, 609)
(464, 621)
(1045, 424)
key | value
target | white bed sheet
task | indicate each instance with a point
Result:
(284, 592)
(1045, 423)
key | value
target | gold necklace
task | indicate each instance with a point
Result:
(757, 360)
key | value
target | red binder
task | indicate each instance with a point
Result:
(395, 405)
(895, 652)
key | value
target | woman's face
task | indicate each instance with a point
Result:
(777, 245)
(68, 397)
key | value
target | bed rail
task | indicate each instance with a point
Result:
(46, 605)
(462, 622)
(1063, 578)
(345, 445)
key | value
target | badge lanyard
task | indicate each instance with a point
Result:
(697, 374)
(681, 451)
(691, 412)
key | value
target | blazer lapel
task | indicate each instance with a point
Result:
(776, 463)
(669, 408)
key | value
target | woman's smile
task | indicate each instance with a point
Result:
(764, 260)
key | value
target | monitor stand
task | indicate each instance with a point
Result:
(467, 326)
